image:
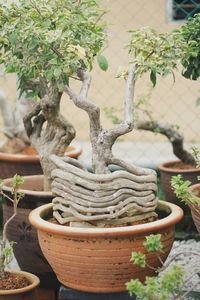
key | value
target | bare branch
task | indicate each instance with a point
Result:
(175, 138)
(83, 102)
(86, 79)
(127, 125)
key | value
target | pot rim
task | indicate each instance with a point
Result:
(74, 151)
(35, 281)
(26, 191)
(193, 186)
(174, 217)
(164, 167)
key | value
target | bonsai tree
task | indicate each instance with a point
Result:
(103, 197)
(47, 43)
(158, 54)
(44, 43)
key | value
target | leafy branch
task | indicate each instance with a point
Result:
(169, 285)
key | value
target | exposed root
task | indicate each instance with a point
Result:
(114, 198)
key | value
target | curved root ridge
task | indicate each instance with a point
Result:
(116, 198)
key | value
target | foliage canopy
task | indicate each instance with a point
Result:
(50, 38)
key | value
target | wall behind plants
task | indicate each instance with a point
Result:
(171, 102)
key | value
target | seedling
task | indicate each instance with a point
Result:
(7, 251)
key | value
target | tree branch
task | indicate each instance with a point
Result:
(127, 125)
(176, 138)
(82, 100)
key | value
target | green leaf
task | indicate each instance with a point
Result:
(138, 258)
(153, 78)
(57, 72)
(153, 243)
(53, 61)
(102, 62)
(10, 69)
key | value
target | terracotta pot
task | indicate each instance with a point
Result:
(98, 259)
(167, 171)
(26, 293)
(195, 210)
(26, 248)
(23, 164)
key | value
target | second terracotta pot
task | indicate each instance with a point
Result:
(26, 293)
(195, 209)
(167, 171)
(98, 259)
(24, 164)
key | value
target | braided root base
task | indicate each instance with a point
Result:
(107, 199)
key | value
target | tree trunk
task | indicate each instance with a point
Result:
(48, 131)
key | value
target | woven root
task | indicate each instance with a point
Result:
(109, 199)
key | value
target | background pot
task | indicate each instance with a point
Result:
(24, 164)
(195, 210)
(26, 293)
(167, 171)
(98, 259)
(26, 248)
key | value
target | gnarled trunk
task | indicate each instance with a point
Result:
(47, 129)
(103, 198)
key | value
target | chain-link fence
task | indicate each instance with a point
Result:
(171, 102)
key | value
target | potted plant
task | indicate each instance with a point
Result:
(43, 47)
(100, 217)
(14, 284)
(189, 194)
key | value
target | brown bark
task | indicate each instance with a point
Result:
(174, 136)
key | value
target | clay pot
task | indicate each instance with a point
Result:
(167, 171)
(26, 248)
(195, 209)
(98, 259)
(26, 164)
(26, 293)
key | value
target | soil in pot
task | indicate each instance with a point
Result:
(19, 285)
(26, 247)
(13, 281)
(167, 171)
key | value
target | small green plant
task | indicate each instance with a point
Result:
(6, 252)
(169, 285)
(181, 186)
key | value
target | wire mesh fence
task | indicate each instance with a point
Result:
(171, 102)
